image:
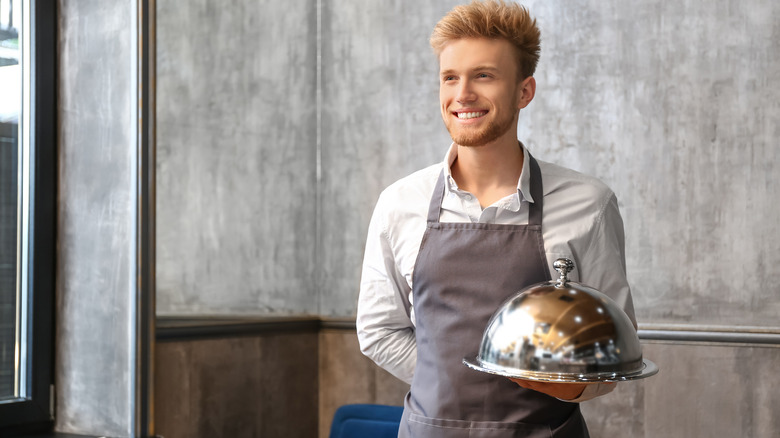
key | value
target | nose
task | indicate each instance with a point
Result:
(465, 92)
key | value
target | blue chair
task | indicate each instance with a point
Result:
(366, 421)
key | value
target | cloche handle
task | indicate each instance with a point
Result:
(563, 266)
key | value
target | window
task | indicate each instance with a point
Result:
(27, 212)
(10, 106)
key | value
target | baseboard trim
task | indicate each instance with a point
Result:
(192, 328)
(200, 327)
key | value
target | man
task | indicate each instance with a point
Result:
(448, 244)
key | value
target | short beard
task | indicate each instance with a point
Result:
(492, 132)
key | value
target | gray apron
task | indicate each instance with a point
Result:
(463, 273)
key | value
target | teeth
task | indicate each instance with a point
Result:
(471, 115)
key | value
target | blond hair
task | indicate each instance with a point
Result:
(493, 20)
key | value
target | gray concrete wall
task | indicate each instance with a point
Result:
(236, 157)
(96, 267)
(675, 106)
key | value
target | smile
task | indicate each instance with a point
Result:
(471, 115)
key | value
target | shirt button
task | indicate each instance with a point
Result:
(468, 197)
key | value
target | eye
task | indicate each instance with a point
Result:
(447, 78)
(483, 75)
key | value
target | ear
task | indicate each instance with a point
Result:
(526, 92)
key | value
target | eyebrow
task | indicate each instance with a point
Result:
(489, 68)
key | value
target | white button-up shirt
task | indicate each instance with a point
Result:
(580, 221)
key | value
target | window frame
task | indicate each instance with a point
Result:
(35, 413)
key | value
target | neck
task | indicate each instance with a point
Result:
(490, 172)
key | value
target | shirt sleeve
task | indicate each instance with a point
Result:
(605, 269)
(384, 326)
(604, 261)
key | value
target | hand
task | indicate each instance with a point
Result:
(562, 391)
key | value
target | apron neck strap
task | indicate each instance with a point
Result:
(534, 208)
(434, 209)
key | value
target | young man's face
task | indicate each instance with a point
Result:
(479, 90)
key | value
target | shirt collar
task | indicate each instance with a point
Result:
(523, 184)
